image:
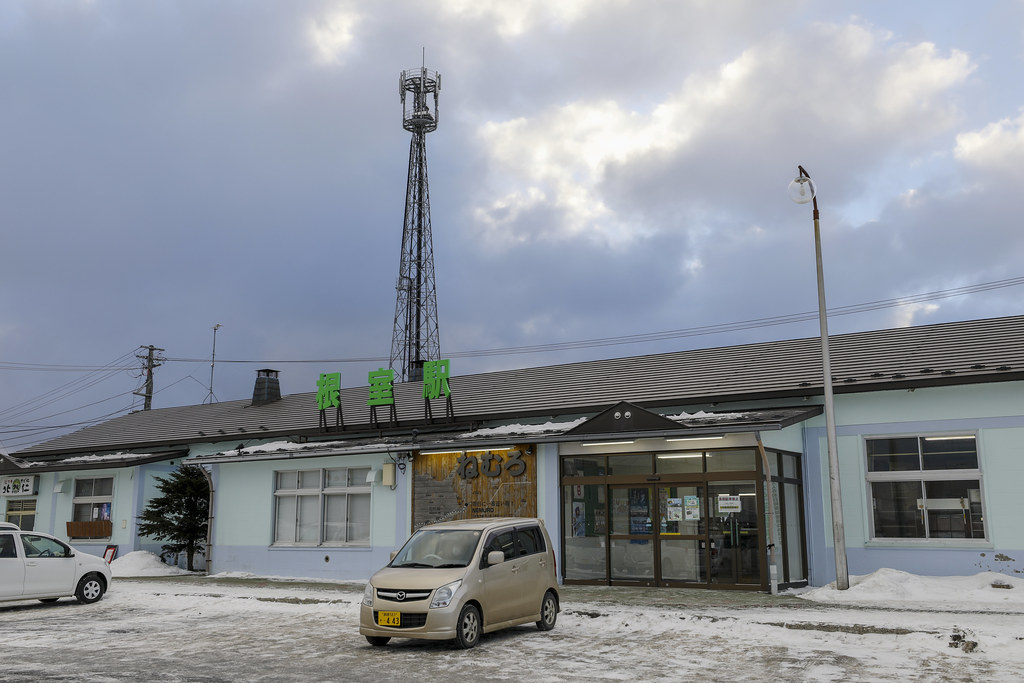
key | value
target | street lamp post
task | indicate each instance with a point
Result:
(802, 191)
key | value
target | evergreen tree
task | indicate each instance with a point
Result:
(179, 516)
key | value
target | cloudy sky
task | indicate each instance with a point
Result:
(602, 169)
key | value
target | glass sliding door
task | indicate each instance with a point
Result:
(681, 534)
(585, 531)
(631, 533)
(733, 533)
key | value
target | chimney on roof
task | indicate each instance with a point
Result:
(268, 387)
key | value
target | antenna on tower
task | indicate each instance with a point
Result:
(415, 338)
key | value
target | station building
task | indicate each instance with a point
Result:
(704, 468)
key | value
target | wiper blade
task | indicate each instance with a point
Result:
(448, 566)
(411, 564)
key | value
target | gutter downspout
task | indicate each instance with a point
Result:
(209, 519)
(773, 570)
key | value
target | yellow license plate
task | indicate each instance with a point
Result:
(389, 618)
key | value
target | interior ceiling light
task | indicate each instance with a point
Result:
(606, 443)
(694, 438)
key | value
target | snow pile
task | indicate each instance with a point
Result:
(888, 587)
(142, 563)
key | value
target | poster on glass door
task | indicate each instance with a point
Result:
(727, 504)
(691, 508)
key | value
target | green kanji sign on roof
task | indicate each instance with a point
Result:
(328, 390)
(435, 379)
(382, 387)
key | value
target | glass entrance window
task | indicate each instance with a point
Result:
(632, 529)
(733, 533)
(681, 544)
(680, 517)
(585, 529)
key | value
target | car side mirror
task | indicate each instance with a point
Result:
(495, 557)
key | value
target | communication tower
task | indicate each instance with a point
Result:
(415, 338)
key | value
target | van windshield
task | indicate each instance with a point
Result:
(438, 548)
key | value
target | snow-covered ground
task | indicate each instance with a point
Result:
(889, 626)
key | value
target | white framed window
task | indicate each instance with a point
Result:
(22, 511)
(92, 501)
(925, 487)
(322, 507)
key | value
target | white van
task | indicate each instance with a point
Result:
(458, 580)
(36, 566)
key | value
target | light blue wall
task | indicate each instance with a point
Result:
(994, 411)
(244, 518)
(788, 439)
(244, 522)
(548, 497)
(54, 508)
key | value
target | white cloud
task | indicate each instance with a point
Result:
(860, 94)
(909, 314)
(998, 145)
(331, 35)
(910, 84)
(514, 19)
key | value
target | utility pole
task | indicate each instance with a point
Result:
(152, 362)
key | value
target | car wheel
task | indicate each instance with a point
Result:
(90, 589)
(468, 627)
(378, 641)
(548, 612)
(48, 599)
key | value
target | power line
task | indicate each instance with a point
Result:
(675, 334)
(69, 388)
(578, 344)
(96, 374)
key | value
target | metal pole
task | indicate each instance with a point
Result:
(838, 532)
(773, 566)
(213, 359)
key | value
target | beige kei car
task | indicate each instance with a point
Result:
(458, 580)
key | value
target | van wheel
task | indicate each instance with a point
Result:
(548, 612)
(378, 641)
(90, 589)
(467, 629)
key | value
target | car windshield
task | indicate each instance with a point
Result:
(438, 548)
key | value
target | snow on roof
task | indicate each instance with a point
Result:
(700, 414)
(524, 429)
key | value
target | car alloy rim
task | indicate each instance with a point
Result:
(469, 626)
(549, 610)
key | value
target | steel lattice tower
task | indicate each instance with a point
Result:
(416, 338)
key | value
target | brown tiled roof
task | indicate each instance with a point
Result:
(976, 351)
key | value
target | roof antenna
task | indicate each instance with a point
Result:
(213, 357)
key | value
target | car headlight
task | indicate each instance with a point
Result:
(444, 594)
(368, 595)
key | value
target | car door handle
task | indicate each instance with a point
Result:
(31, 564)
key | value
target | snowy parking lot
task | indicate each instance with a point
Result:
(889, 626)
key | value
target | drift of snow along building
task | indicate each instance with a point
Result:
(647, 469)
